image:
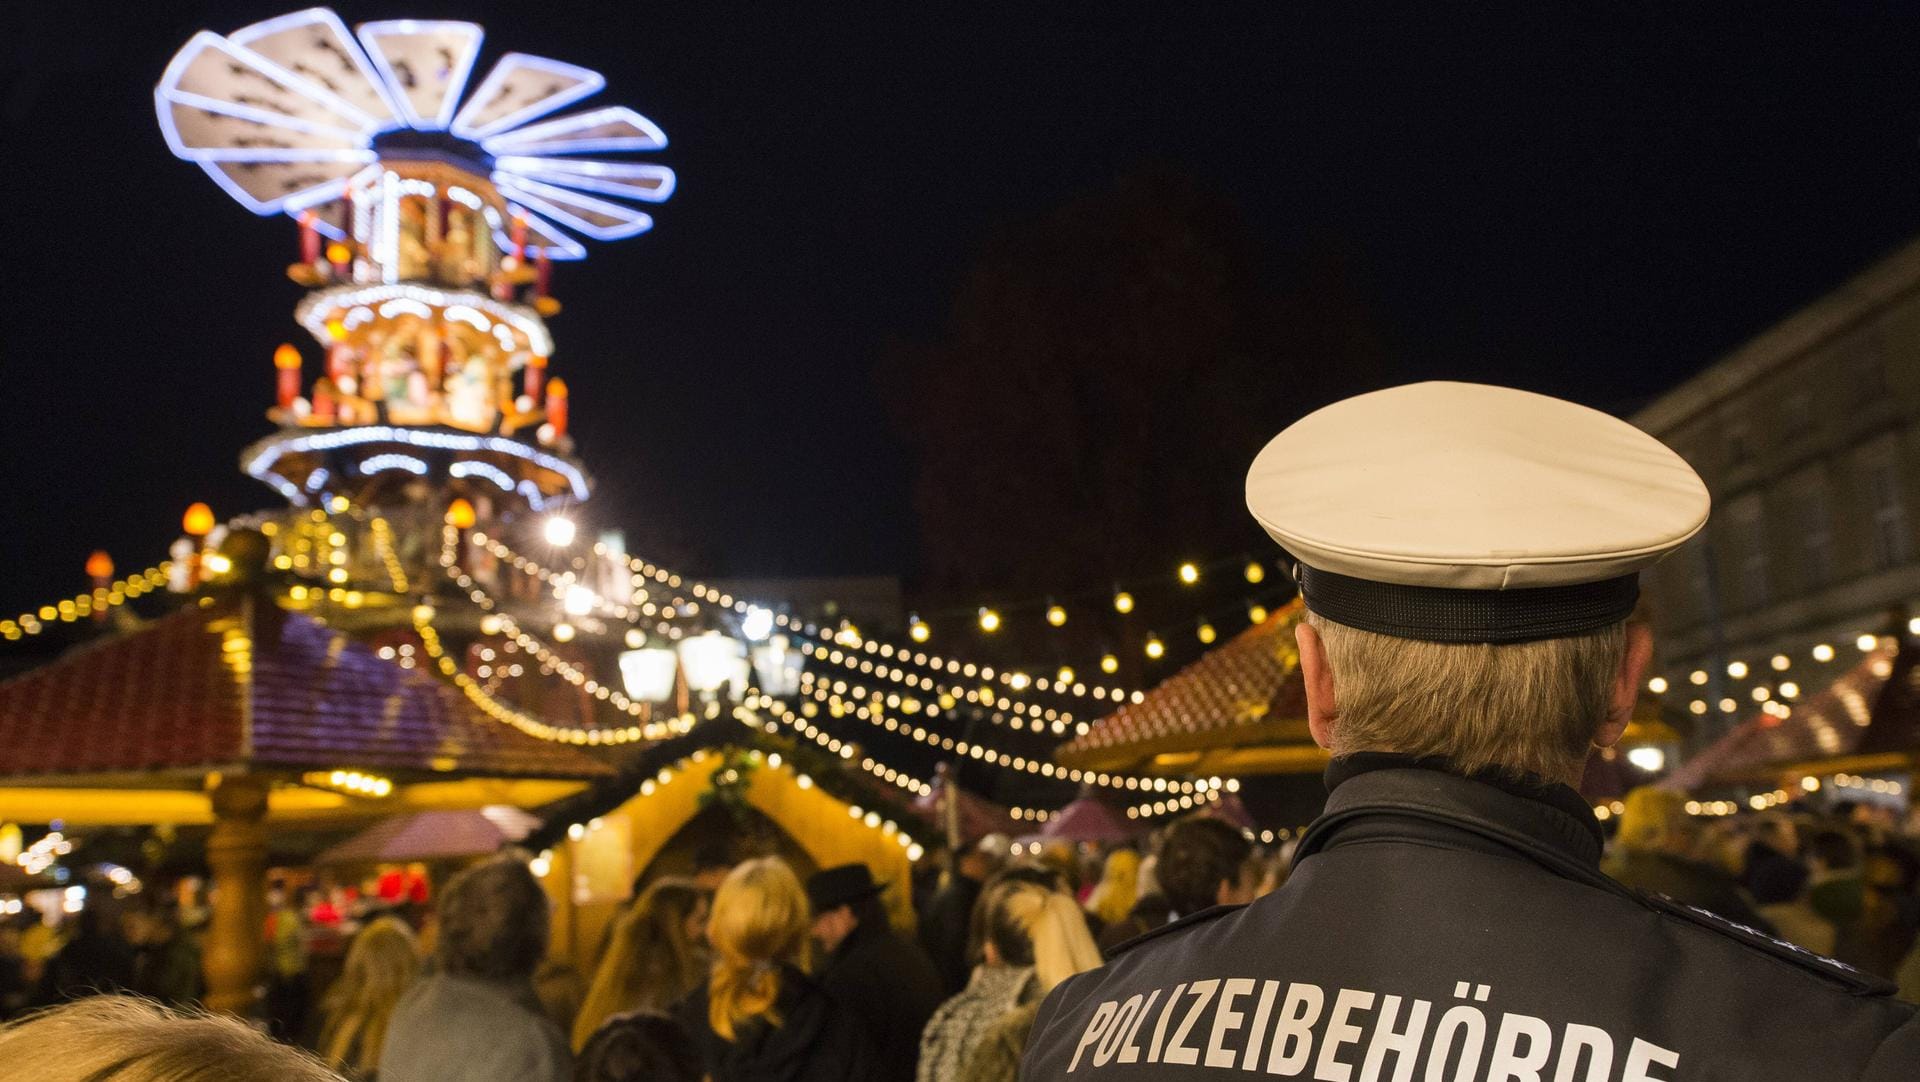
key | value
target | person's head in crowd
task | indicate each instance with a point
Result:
(976, 862)
(1656, 821)
(127, 1039)
(711, 863)
(1777, 832)
(1029, 925)
(492, 922)
(1838, 893)
(759, 923)
(379, 966)
(1772, 871)
(1112, 899)
(1060, 855)
(1890, 871)
(1146, 882)
(656, 955)
(1832, 852)
(638, 1046)
(1205, 862)
(1274, 869)
(844, 899)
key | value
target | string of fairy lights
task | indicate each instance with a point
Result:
(81, 606)
(1772, 689)
(1184, 795)
(882, 660)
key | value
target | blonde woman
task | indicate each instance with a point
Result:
(380, 965)
(758, 1017)
(126, 1039)
(1113, 897)
(656, 956)
(1061, 947)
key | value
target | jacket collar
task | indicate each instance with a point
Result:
(1546, 822)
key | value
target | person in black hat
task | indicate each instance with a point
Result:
(870, 969)
(1469, 559)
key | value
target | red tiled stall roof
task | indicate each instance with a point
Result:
(1240, 708)
(244, 684)
(1870, 711)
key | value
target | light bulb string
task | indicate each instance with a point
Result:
(842, 699)
(101, 598)
(1015, 679)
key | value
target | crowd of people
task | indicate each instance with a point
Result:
(1843, 883)
(771, 978)
(765, 978)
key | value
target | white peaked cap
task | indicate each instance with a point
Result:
(1462, 512)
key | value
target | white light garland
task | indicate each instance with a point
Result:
(322, 305)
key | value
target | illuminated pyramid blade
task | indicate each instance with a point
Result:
(287, 114)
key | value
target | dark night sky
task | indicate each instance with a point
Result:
(1592, 205)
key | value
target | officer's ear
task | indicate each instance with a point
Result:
(1318, 677)
(1626, 684)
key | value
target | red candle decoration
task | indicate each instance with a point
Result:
(309, 238)
(536, 375)
(341, 257)
(286, 360)
(100, 570)
(339, 361)
(519, 238)
(557, 405)
(542, 273)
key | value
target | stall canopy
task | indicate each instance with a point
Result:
(1868, 719)
(241, 686)
(963, 817)
(452, 834)
(1240, 709)
(1088, 819)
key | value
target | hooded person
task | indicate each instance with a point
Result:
(875, 971)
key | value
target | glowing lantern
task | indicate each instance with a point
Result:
(460, 514)
(777, 666)
(648, 674)
(711, 660)
(198, 521)
(99, 565)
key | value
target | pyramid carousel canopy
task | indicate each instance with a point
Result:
(1240, 709)
(240, 685)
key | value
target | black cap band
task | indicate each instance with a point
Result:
(1445, 614)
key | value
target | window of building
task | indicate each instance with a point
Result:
(1739, 445)
(1890, 531)
(1750, 551)
(1796, 415)
(1816, 532)
(1868, 371)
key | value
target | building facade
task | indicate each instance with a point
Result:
(1807, 440)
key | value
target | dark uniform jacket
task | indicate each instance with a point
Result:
(1440, 927)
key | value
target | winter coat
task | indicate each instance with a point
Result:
(960, 1023)
(816, 1039)
(892, 985)
(465, 1029)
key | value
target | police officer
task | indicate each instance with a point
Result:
(1469, 557)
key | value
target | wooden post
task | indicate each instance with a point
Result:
(236, 937)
